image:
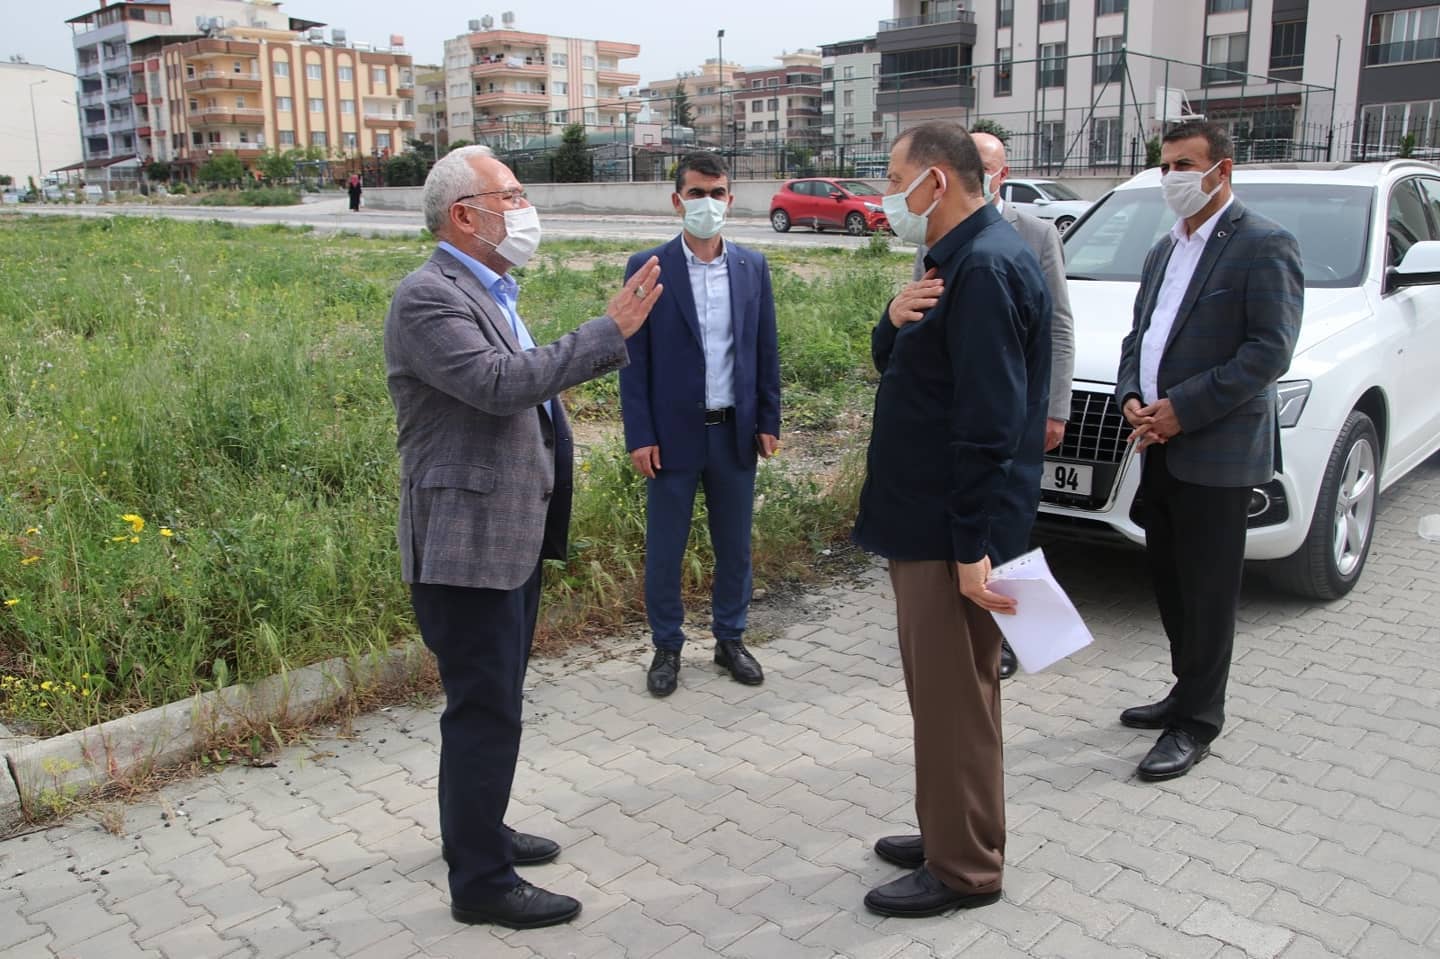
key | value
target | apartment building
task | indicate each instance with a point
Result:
(506, 87)
(40, 125)
(780, 103)
(1397, 91)
(432, 124)
(849, 75)
(179, 81)
(710, 92)
(1084, 83)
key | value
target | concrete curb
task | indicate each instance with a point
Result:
(42, 777)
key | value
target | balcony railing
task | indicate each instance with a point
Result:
(943, 77)
(87, 68)
(943, 16)
(96, 128)
(1406, 51)
(92, 98)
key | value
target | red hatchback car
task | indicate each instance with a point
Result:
(821, 203)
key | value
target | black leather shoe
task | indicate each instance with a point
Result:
(732, 655)
(664, 672)
(1153, 716)
(532, 850)
(1172, 755)
(920, 894)
(523, 907)
(1008, 662)
(907, 851)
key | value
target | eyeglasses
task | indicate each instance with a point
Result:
(511, 196)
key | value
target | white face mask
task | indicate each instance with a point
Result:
(1183, 192)
(522, 234)
(910, 227)
(989, 196)
(704, 216)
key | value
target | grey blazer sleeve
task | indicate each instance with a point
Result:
(1062, 323)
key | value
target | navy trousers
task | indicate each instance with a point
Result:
(481, 640)
(670, 503)
(1195, 541)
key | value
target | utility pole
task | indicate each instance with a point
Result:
(35, 129)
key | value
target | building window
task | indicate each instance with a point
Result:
(849, 73)
(1051, 68)
(932, 67)
(1383, 127)
(589, 89)
(1108, 68)
(1004, 13)
(382, 141)
(1287, 45)
(284, 105)
(1227, 6)
(312, 71)
(1050, 143)
(351, 141)
(588, 63)
(318, 138)
(379, 76)
(756, 106)
(1054, 10)
(1111, 6)
(1003, 66)
(562, 87)
(345, 74)
(773, 103)
(559, 59)
(1225, 58)
(849, 99)
(1403, 36)
(282, 68)
(1105, 133)
(772, 82)
(756, 126)
(347, 107)
(849, 120)
(772, 125)
(196, 138)
(317, 105)
(287, 138)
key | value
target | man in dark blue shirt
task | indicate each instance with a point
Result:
(952, 484)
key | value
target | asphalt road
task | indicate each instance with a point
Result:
(331, 215)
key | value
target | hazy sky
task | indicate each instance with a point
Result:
(672, 37)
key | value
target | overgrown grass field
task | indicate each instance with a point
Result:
(197, 464)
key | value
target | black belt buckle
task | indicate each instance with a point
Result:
(716, 417)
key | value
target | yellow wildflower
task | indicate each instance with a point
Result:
(47, 685)
(134, 539)
(117, 539)
(12, 602)
(32, 531)
(30, 561)
(166, 531)
(137, 523)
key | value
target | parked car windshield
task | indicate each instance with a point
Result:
(1331, 222)
(860, 189)
(1058, 191)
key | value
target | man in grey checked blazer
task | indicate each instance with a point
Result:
(1216, 319)
(485, 480)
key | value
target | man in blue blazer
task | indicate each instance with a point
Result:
(700, 400)
(1216, 319)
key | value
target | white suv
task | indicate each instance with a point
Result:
(1359, 406)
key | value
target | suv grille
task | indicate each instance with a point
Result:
(1096, 433)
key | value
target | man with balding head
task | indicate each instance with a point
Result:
(1044, 240)
(952, 481)
(485, 480)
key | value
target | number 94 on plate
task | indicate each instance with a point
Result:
(1073, 478)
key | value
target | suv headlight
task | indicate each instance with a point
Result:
(1292, 397)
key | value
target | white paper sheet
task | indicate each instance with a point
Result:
(1046, 626)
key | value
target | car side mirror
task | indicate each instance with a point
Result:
(1420, 266)
(836, 195)
(1041, 201)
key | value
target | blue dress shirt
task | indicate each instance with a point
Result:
(710, 285)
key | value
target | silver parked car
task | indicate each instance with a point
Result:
(1045, 199)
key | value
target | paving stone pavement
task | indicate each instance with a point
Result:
(737, 821)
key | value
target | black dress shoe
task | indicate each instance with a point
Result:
(523, 907)
(1008, 662)
(907, 851)
(1153, 716)
(532, 850)
(1172, 755)
(920, 894)
(732, 655)
(664, 672)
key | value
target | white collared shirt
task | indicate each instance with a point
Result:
(710, 285)
(1184, 257)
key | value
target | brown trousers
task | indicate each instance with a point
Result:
(950, 650)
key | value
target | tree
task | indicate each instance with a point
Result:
(6, 179)
(407, 169)
(683, 112)
(426, 151)
(571, 162)
(222, 168)
(158, 171)
(278, 165)
(457, 144)
(991, 127)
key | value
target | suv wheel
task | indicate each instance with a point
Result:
(1328, 564)
(855, 224)
(780, 220)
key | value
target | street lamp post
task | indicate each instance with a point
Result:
(35, 130)
(720, 82)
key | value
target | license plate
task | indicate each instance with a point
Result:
(1067, 478)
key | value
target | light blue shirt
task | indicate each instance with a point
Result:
(710, 285)
(503, 290)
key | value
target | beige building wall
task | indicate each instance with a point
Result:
(52, 93)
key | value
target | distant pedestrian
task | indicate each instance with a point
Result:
(355, 191)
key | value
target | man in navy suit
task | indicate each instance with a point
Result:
(952, 482)
(700, 400)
